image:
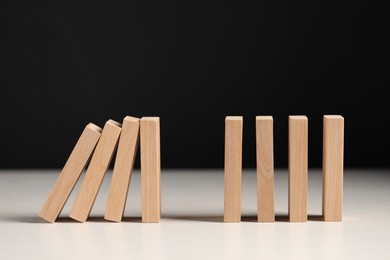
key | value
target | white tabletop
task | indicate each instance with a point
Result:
(191, 226)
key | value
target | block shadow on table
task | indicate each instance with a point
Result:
(246, 218)
(132, 219)
(24, 219)
(281, 218)
(100, 219)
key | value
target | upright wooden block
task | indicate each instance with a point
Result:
(298, 168)
(265, 169)
(123, 167)
(150, 169)
(233, 169)
(333, 156)
(69, 175)
(96, 170)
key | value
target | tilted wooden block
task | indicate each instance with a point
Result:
(265, 169)
(298, 168)
(150, 169)
(333, 156)
(71, 172)
(233, 168)
(96, 170)
(123, 167)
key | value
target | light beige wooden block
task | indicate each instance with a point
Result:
(71, 172)
(265, 169)
(96, 170)
(123, 167)
(297, 168)
(150, 169)
(233, 168)
(333, 156)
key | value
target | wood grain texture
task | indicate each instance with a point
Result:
(333, 156)
(150, 169)
(123, 167)
(96, 170)
(233, 168)
(298, 168)
(71, 172)
(265, 169)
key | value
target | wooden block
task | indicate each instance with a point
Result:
(150, 169)
(123, 167)
(298, 168)
(265, 169)
(233, 169)
(333, 154)
(71, 172)
(96, 170)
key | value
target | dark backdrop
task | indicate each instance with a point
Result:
(192, 63)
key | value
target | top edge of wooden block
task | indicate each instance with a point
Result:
(150, 118)
(94, 127)
(131, 118)
(298, 117)
(114, 123)
(238, 118)
(264, 118)
(333, 117)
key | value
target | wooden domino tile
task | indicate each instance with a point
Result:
(265, 169)
(123, 167)
(96, 170)
(297, 168)
(150, 169)
(233, 169)
(71, 172)
(333, 154)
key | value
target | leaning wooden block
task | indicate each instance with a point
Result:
(123, 167)
(265, 169)
(71, 172)
(333, 156)
(96, 170)
(298, 168)
(233, 168)
(150, 169)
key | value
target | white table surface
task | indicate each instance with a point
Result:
(191, 225)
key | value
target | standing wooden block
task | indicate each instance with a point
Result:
(96, 170)
(123, 167)
(233, 169)
(297, 168)
(150, 169)
(265, 169)
(333, 154)
(69, 175)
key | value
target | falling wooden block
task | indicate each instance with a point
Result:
(297, 168)
(69, 175)
(233, 169)
(96, 170)
(265, 169)
(150, 169)
(333, 154)
(123, 167)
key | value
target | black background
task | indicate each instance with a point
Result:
(192, 63)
